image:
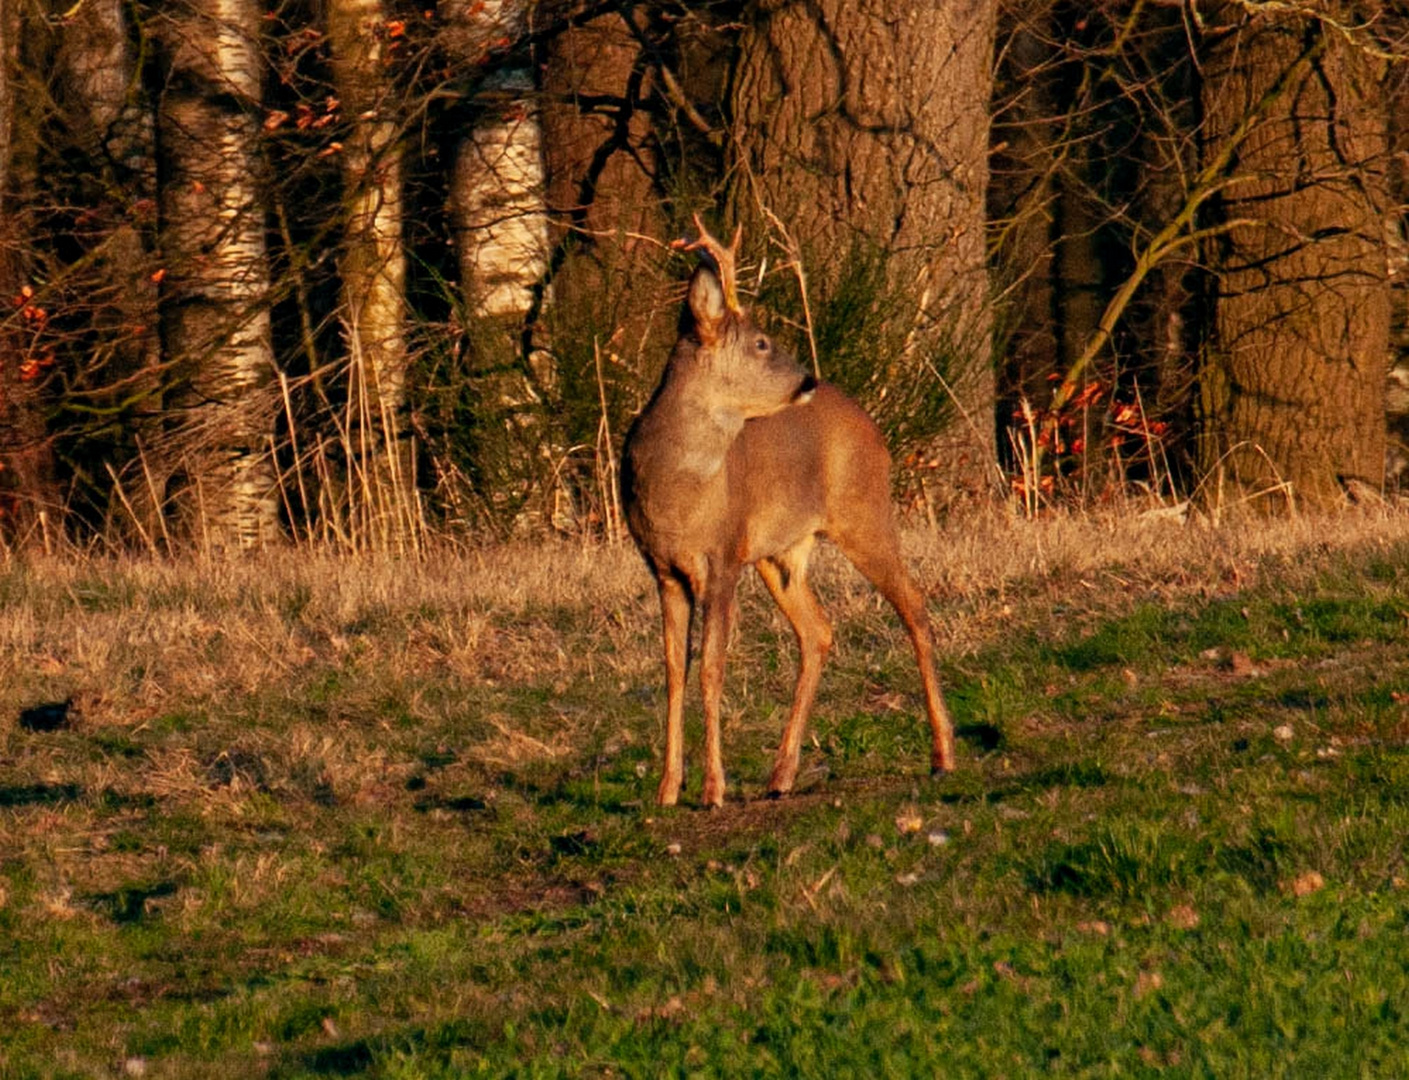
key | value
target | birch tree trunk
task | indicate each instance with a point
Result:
(500, 222)
(373, 272)
(215, 305)
(862, 140)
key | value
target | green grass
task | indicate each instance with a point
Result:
(292, 834)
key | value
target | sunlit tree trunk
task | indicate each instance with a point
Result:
(373, 271)
(862, 141)
(500, 224)
(1396, 97)
(215, 306)
(500, 221)
(1293, 385)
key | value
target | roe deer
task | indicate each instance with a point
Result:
(742, 457)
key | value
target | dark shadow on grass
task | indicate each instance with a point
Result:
(128, 904)
(1303, 700)
(458, 804)
(110, 799)
(48, 716)
(345, 1060)
(431, 1046)
(985, 738)
(1072, 774)
(1261, 862)
(236, 765)
(38, 794)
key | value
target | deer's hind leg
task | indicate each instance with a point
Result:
(786, 578)
(873, 547)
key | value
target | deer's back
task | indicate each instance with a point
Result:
(808, 469)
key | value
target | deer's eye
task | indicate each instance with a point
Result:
(761, 344)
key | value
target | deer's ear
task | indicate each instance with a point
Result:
(706, 300)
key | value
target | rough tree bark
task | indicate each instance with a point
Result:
(215, 305)
(373, 272)
(1292, 389)
(1396, 98)
(608, 325)
(601, 174)
(862, 129)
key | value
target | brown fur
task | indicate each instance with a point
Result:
(742, 458)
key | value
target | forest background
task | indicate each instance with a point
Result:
(362, 273)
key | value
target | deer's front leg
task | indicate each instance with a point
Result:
(718, 609)
(675, 606)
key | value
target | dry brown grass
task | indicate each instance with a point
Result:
(134, 636)
(304, 672)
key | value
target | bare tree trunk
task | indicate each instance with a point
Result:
(862, 133)
(1022, 201)
(601, 176)
(609, 315)
(1294, 382)
(215, 305)
(373, 270)
(1396, 98)
(27, 489)
(500, 221)
(9, 57)
(116, 132)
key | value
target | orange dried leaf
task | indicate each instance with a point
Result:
(1089, 393)
(1306, 884)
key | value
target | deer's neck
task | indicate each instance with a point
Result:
(684, 440)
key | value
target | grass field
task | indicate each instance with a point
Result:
(310, 817)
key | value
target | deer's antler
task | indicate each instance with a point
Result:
(723, 258)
